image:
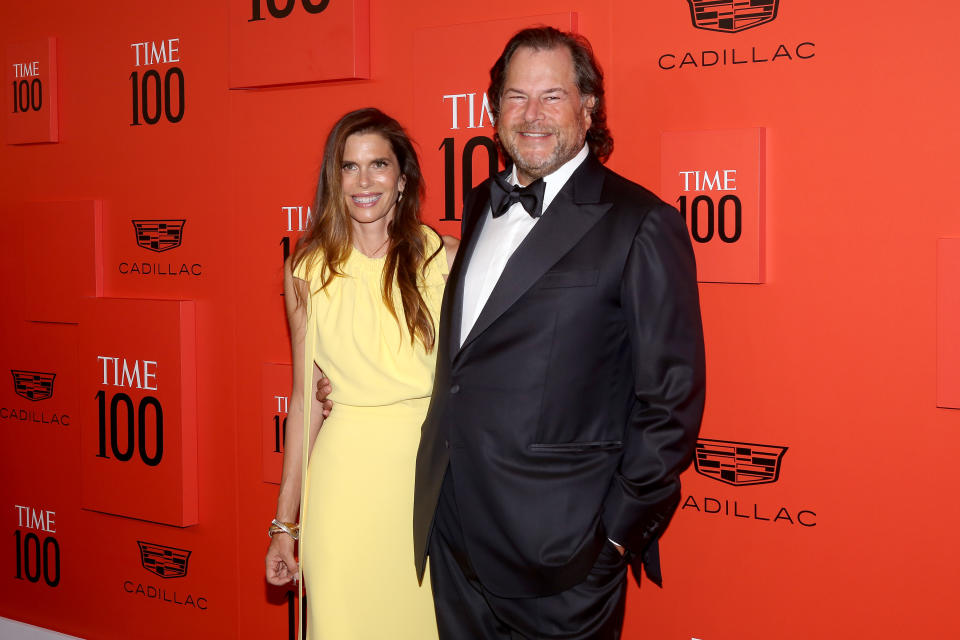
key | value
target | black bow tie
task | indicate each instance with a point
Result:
(503, 195)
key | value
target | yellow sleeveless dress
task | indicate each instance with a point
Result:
(356, 539)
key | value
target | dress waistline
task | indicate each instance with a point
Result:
(415, 408)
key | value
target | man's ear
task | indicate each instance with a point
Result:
(588, 104)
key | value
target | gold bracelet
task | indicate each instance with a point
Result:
(292, 529)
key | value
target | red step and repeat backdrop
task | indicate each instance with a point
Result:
(158, 162)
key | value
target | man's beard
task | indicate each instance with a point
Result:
(563, 150)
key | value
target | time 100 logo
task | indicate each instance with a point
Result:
(27, 87)
(118, 372)
(154, 97)
(705, 218)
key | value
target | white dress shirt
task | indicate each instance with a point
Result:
(500, 237)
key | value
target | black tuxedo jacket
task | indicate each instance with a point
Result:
(575, 401)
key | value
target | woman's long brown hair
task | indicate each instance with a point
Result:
(329, 238)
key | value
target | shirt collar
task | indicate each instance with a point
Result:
(555, 181)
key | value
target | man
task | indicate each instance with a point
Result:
(570, 372)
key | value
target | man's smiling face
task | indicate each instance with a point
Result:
(543, 118)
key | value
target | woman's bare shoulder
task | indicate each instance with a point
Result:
(450, 244)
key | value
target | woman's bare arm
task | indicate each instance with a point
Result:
(450, 244)
(281, 565)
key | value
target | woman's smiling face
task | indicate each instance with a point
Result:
(370, 178)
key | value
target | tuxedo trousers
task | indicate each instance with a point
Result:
(590, 610)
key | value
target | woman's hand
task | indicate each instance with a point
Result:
(323, 390)
(281, 565)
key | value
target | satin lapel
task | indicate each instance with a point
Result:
(452, 309)
(571, 214)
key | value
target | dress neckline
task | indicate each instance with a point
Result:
(361, 254)
(365, 263)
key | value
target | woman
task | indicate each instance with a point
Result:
(363, 292)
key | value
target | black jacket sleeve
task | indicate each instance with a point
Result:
(660, 300)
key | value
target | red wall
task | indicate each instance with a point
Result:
(835, 353)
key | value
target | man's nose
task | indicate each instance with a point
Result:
(532, 111)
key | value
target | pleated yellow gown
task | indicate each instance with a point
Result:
(357, 533)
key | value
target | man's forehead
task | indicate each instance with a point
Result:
(530, 60)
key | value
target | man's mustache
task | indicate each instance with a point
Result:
(532, 128)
